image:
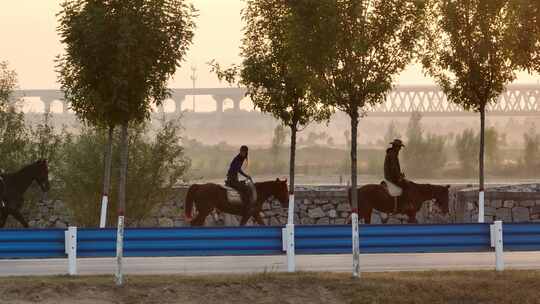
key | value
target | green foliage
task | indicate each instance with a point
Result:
(119, 57)
(525, 41)
(155, 166)
(273, 69)
(14, 140)
(467, 51)
(8, 81)
(467, 148)
(356, 48)
(392, 132)
(531, 154)
(278, 143)
(424, 155)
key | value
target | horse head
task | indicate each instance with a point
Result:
(440, 194)
(41, 175)
(280, 192)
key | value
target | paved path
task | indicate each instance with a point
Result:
(254, 264)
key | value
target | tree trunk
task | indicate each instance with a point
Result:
(292, 161)
(124, 146)
(354, 196)
(291, 263)
(106, 178)
(481, 165)
(354, 133)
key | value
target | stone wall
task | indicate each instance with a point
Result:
(517, 203)
(314, 205)
(323, 205)
(44, 214)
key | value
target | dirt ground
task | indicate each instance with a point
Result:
(419, 287)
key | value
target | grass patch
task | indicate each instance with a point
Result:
(390, 287)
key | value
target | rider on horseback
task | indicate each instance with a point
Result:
(232, 178)
(393, 174)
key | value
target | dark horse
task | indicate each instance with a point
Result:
(376, 197)
(14, 186)
(207, 197)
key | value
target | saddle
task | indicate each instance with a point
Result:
(234, 197)
(394, 191)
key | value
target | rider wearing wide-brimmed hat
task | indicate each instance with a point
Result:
(392, 169)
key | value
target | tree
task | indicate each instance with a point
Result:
(530, 160)
(13, 132)
(525, 42)
(8, 81)
(467, 53)
(424, 153)
(391, 133)
(157, 164)
(274, 73)
(119, 57)
(355, 48)
(278, 141)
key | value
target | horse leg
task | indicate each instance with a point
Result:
(412, 217)
(200, 218)
(3, 216)
(244, 220)
(18, 216)
(259, 219)
(366, 214)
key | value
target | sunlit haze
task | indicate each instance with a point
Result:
(30, 43)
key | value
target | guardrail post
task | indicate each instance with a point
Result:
(291, 265)
(103, 217)
(481, 206)
(119, 251)
(496, 231)
(355, 244)
(70, 237)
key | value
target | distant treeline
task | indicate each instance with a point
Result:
(426, 155)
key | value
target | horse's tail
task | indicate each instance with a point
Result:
(188, 205)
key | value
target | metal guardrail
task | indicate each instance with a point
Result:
(269, 240)
(32, 243)
(394, 238)
(181, 241)
(521, 236)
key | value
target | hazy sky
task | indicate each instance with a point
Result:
(29, 43)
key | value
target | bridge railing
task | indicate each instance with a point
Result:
(269, 240)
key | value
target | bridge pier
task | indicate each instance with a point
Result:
(236, 103)
(178, 101)
(219, 103)
(47, 102)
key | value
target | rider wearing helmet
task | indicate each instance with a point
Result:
(232, 177)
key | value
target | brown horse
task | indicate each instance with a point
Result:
(207, 197)
(376, 197)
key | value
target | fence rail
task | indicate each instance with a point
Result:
(212, 241)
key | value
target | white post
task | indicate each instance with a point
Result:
(103, 218)
(481, 206)
(355, 245)
(119, 250)
(497, 242)
(70, 237)
(291, 265)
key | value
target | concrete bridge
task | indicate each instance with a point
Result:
(517, 100)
